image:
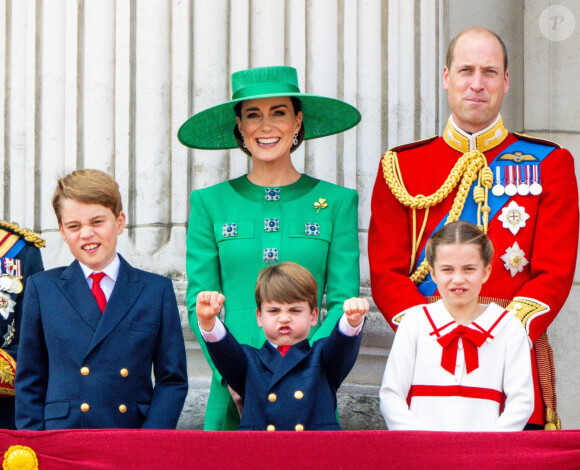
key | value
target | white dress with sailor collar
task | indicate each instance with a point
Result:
(462, 401)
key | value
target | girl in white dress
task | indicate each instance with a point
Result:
(456, 365)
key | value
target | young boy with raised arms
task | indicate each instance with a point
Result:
(287, 384)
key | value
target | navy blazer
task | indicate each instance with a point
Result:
(294, 392)
(79, 368)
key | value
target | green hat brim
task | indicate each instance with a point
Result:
(213, 128)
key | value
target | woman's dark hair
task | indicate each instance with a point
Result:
(296, 104)
(460, 233)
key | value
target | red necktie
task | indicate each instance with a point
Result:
(472, 340)
(97, 291)
(283, 349)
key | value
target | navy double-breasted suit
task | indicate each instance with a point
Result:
(79, 368)
(294, 392)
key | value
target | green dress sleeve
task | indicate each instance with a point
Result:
(202, 265)
(342, 268)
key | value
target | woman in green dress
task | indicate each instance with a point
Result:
(272, 214)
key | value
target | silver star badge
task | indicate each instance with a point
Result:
(513, 217)
(514, 259)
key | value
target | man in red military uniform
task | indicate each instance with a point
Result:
(521, 190)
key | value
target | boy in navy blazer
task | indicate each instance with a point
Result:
(287, 384)
(93, 332)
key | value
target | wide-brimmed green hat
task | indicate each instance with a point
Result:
(213, 128)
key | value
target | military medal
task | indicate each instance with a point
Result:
(510, 188)
(536, 187)
(513, 217)
(498, 189)
(523, 184)
(11, 276)
(12, 267)
(10, 284)
(514, 259)
(6, 305)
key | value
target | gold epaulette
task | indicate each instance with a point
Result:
(27, 234)
(411, 145)
(536, 140)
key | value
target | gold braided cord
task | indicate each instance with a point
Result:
(27, 234)
(465, 171)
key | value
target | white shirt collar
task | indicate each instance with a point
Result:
(111, 270)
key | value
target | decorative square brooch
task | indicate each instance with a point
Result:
(311, 229)
(272, 194)
(271, 225)
(229, 230)
(270, 255)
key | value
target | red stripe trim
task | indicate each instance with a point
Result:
(436, 332)
(5, 237)
(430, 320)
(435, 329)
(454, 391)
(505, 312)
(486, 333)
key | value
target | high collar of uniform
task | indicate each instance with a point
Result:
(483, 140)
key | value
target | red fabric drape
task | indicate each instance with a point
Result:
(143, 449)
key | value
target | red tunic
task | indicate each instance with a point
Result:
(549, 238)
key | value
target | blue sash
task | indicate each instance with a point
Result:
(12, 252)
(540, 151)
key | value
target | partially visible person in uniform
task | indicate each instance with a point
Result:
(286, 385)
(93, 331)
(19, 258)
(456, 365)
(520, 190)
(272, 214)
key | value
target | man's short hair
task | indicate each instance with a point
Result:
(476, 29)
(286, 283)
(89, 187)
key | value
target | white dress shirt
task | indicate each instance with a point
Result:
(108, 282)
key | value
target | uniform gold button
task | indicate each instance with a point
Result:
(85, 407)
(122, 408)
(124, 372)
(299, 427)
(298, 395)
(272, 397)
(271, 427)
(85, 370)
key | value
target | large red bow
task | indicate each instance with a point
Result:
(472, 340)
